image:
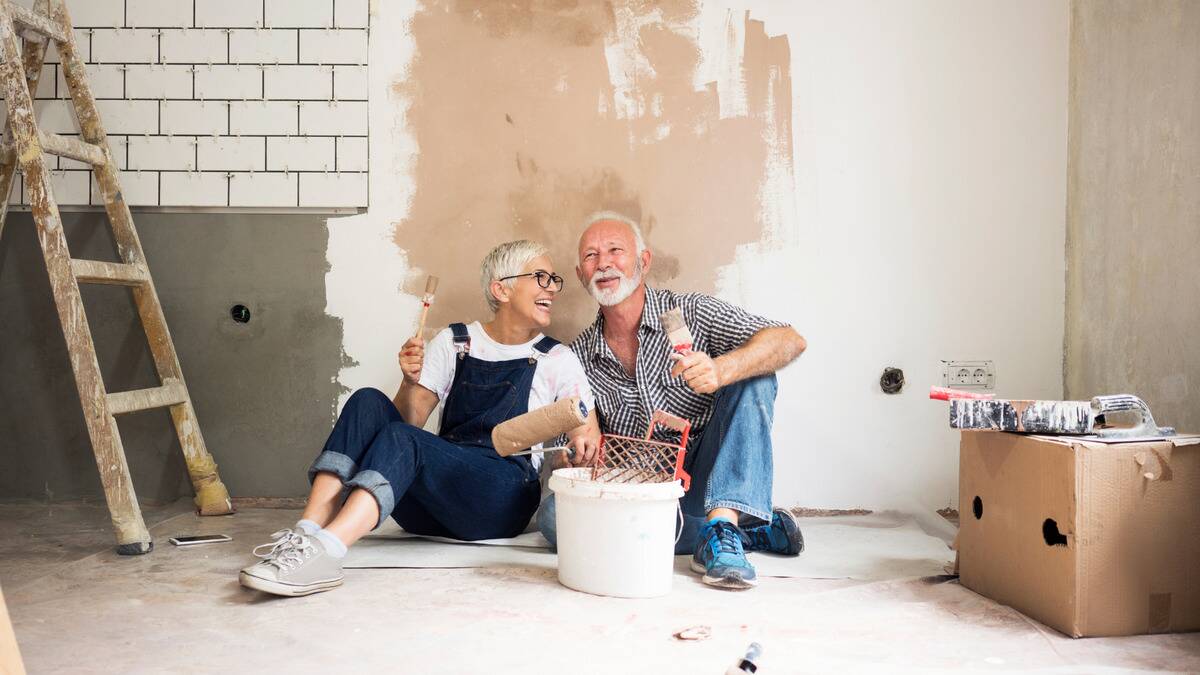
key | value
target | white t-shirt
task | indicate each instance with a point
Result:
(558, 375)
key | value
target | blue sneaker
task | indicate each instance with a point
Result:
(782, 535)
(719, 556)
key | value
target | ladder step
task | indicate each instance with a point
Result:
(63, 146)
(33, 26)
(117, 274)
(170, 393)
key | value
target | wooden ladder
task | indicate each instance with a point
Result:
(26, 147)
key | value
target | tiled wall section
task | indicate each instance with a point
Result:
(234, 103)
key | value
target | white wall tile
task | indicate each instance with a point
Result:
(69, 187)
(352, 153)
(105, 80)
(45, 82)
(139, 188)
(333, 46)
(56, 117)
(350, 13)
(350, 82)
(159, 13)
(299, 13)
(124, 45)
(299, 82)
(263, 46)
(300, 154)
(82, 43)
(203, 118)
(194, 46)
(229, 13)
(333, 119)
(333, 189)
(232, 153)
(194, 189)
(96, 13)
(157, 81)
(129, 117)
(263, 189)
(162, 152)
(231, 82)
(263, 117)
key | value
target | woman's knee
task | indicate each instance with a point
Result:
(367, 396)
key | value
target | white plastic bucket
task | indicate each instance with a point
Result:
(615, 539)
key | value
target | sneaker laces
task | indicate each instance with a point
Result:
(289, 557)
(759, 538)
(729, 537)
(281, 540)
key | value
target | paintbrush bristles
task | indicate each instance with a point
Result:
(677, 331)
(431, 285)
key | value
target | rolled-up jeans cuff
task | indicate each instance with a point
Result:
(380, 489)
(765, 516)
(335, 463)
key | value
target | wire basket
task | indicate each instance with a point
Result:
(624, 459)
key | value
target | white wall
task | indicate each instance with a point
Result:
(923, 220)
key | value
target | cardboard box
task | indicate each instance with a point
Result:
(1092, 538)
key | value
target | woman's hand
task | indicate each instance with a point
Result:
(412, 358)
(585, 441)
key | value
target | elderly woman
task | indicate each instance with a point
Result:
(452, 484)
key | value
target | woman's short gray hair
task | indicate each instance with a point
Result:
(506, 260)
(620, 218)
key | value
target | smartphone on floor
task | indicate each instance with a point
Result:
(197, 539)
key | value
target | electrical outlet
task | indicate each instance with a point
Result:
(969, 374)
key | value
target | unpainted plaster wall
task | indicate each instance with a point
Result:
(264, 391)
(893, 184)
(1133, 226)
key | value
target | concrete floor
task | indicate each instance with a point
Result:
(79, 608)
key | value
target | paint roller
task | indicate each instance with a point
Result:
(426, 300)
(512, 438)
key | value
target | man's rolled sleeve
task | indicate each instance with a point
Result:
(726, 326)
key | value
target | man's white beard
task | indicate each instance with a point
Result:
(624, 289)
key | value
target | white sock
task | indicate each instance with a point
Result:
(307, 526)
(333, 545)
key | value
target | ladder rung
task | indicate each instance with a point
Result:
(73, 148)
(38, 24)
(119, 274)
(170, 393)
(62, 146)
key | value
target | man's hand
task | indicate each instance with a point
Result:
(701, 373)
(585, 441)
(412, 358)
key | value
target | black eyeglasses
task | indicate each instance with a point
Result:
(544, 279)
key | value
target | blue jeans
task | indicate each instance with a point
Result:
(731, 465)
(428, 484)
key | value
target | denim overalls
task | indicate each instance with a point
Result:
(452, 484)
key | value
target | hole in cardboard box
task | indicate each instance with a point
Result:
(1051, 534)
(977, 507)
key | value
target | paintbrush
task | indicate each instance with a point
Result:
(677, 331)
(427, 300)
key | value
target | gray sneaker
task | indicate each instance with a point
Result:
(292, 564)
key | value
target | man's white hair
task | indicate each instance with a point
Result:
(620, 218)
(506, 260)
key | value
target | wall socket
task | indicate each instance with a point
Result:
(969, 374)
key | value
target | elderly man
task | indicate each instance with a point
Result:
(725, 388)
